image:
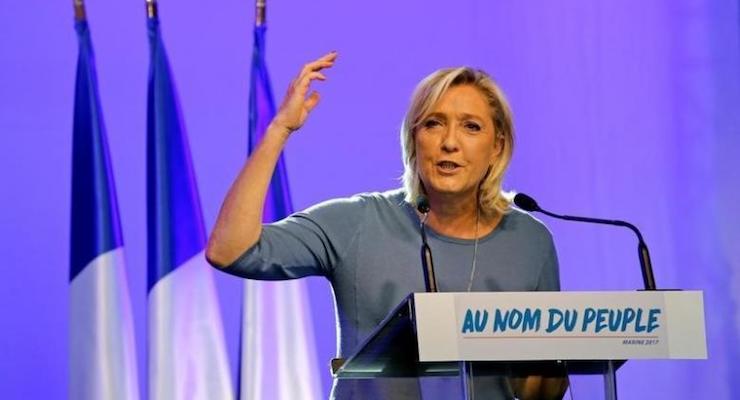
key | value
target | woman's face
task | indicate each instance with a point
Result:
(456, 143)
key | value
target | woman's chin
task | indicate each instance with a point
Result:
(448, 191)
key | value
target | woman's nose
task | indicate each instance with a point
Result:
(449, 140)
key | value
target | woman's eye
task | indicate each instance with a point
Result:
(431, 123)
(472, 126)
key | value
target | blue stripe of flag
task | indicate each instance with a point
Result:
(174, 220)
(95, 225)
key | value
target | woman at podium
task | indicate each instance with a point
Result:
(457, 139)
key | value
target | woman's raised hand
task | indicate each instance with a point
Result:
(297, 103)
(239, 223)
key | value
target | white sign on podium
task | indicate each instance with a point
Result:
(560, 326)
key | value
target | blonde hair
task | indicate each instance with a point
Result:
(491, 198)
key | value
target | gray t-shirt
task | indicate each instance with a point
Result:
(368, 247)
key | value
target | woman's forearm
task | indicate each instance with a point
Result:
(239, 221)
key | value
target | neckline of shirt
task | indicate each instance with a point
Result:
(411, 212)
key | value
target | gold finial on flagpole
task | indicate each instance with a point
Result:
(80, 14)
(151, 8)
(259, 18)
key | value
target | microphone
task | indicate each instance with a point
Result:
(527, 203)
(430, 281)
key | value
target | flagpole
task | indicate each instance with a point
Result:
(260, 17)
(151, 9)
(80, 14)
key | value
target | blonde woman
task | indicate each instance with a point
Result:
(457, 140)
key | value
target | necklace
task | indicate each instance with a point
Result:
(423, 220)
(475, 249)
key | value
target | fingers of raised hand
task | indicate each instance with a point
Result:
(312, 100)
(325, 61)
(296, 104)
(302, 85)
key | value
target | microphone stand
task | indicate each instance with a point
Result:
(646, 266)
(430, 280)
(430, 283)
(529, 204)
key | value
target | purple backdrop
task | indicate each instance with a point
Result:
(623, 109)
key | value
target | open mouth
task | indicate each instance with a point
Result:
(448, 165)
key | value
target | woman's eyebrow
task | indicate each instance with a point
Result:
(436, 114)
(469, 116)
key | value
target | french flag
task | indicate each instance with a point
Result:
(187, 354)
(276, 363)
(102, 349)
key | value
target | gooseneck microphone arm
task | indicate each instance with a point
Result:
(527, 203)
(430, 281)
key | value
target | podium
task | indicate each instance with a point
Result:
(530, 333)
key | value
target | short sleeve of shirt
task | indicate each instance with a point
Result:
(311, 242)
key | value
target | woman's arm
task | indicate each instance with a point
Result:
(239, 221)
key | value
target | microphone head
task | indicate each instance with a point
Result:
(422, 205)
(526, 203)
